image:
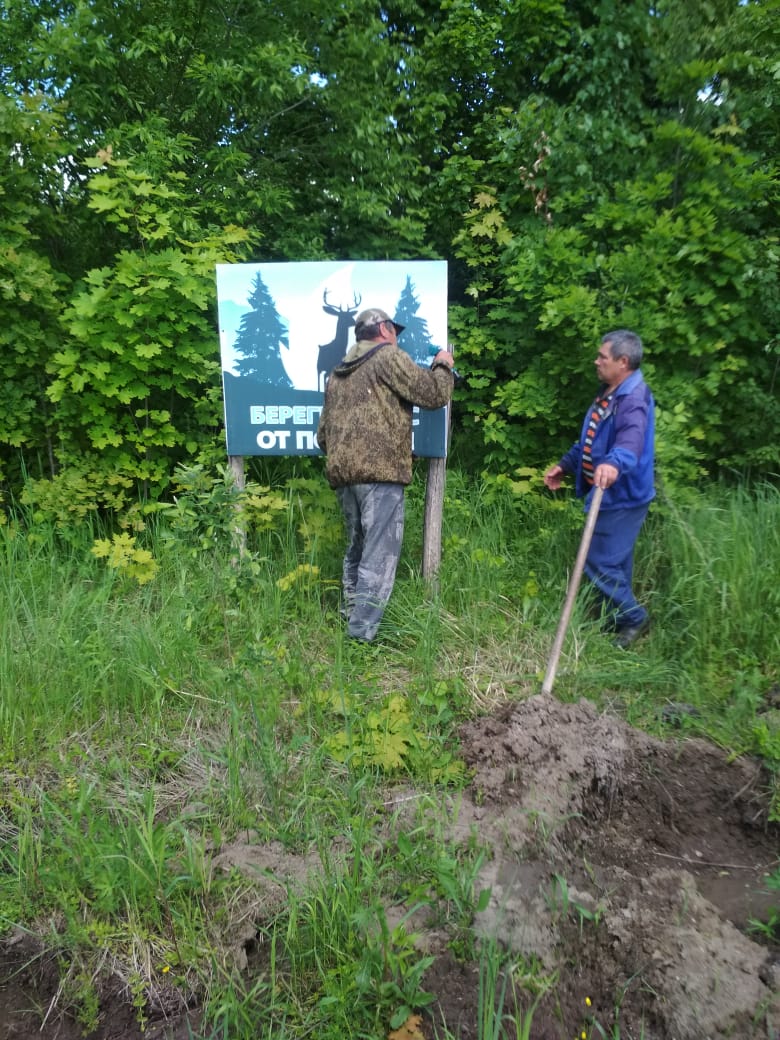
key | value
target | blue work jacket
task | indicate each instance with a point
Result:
(625, 438)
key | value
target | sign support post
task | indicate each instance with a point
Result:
(434, 511)
(236, 464)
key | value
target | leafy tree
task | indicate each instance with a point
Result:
(575, 229)
(136, 385)
(30, 286)
(209, 120)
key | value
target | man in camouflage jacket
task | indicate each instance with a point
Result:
(365, 431)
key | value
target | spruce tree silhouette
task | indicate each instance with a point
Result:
(416, 339)
(260, 335)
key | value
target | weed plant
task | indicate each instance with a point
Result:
(152, 732)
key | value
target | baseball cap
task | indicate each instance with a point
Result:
(373, 316)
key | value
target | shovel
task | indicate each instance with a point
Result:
(571, 593)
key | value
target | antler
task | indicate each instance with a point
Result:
(356, 298)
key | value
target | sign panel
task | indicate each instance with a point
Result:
(284, 327)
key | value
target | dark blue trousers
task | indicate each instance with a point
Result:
(610, 562)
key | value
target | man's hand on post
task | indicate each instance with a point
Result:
(444, 358)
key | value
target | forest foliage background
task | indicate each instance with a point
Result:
(581, 165)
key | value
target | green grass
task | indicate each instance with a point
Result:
(146, 728)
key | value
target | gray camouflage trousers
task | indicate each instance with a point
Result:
(374, 519)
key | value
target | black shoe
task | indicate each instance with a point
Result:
(628, 634)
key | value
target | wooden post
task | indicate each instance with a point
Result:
(236, 463)
(434, 511)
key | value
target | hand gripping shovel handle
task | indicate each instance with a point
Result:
(571, 594)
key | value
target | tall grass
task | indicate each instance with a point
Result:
(721, 579)
(149, 733)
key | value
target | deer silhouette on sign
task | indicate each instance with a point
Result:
(331, 353)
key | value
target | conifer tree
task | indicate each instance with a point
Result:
(416, 339)
(260, 336)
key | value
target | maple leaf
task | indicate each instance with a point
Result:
(389, 750)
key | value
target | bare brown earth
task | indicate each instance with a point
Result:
(627, 867)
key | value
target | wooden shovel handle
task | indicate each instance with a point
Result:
(574, 584)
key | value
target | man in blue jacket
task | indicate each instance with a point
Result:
(615, 452)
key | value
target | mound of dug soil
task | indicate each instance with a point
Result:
(625, 868)
(630, 867)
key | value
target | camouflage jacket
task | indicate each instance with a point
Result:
(365, 427)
